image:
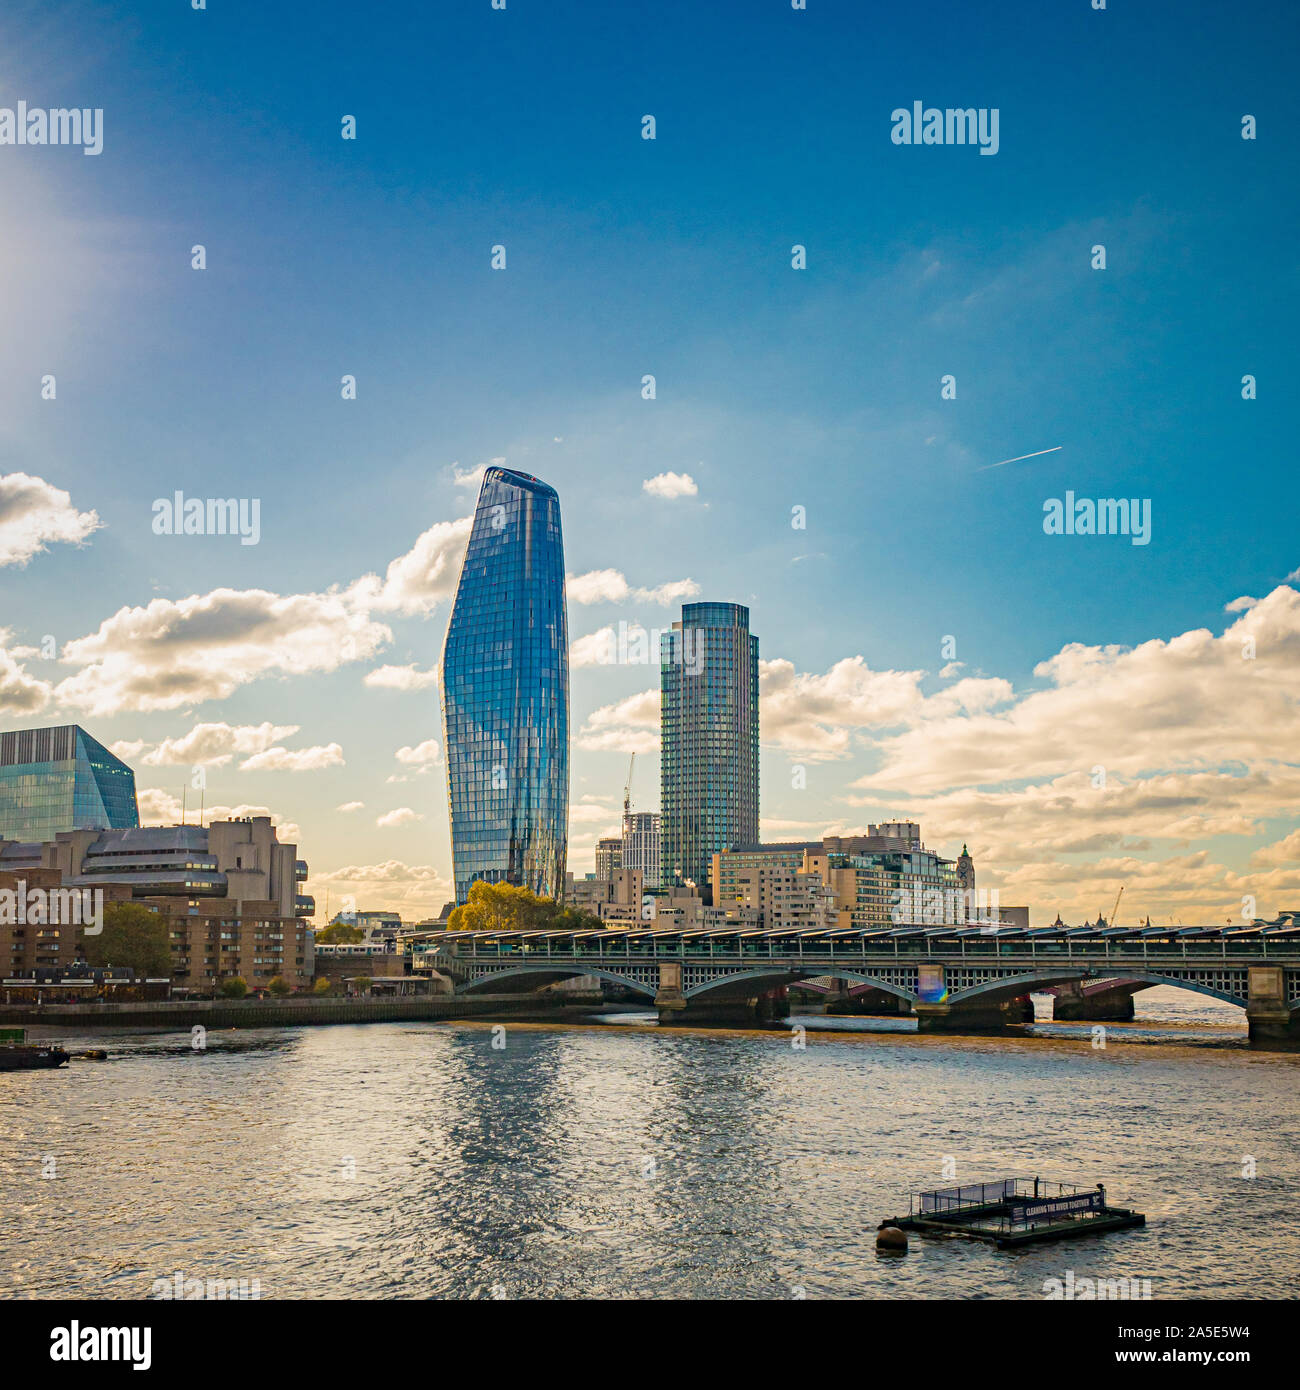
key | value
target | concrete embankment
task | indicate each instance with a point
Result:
(281, 1013)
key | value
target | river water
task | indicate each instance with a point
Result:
(615, 1159)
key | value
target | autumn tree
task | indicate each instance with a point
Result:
(133, 936)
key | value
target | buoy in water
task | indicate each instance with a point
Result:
(891, 1238)
(95, 1054)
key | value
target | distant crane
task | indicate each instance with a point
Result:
(1114, 912)
(627, 789)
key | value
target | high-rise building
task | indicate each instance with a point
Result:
(641, 845)
(609, 857)
(58, 779)
(709, 743)
(505, 692)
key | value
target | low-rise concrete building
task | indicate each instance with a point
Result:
(228, 891)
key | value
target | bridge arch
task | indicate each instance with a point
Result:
(766, 977)
(1012, 987)
(548, 975)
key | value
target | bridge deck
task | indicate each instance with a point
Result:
(1199, 946)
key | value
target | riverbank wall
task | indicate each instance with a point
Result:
(181, 1015)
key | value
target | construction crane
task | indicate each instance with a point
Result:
(1114, 912)
(627, 788)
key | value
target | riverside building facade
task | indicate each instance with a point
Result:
(228, 891)
(872, 881)
(505, 692)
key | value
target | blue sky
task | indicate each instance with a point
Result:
(776, 388)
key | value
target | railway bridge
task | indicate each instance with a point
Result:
(953, 979)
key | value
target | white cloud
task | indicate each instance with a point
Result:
(670, 485)
(611, 586)
(1194, 701)
(473, 477)
(414, 890)
(596, 649)
(422, 758)
(294, 759)
(175, 652)
(213, 744)
(630, 725)
(401, 678)
(597, 586)
(390, 871)
(35, 514)
(159, 807)
(20, 693)
(674, 591)
(813, 716)
(1282, 854)
(415, 583)
(404, 815)
(350, 806)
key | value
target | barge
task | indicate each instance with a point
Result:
(1015, 1211)
(16, 1054)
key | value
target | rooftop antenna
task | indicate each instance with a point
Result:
(203, 798)
(183, 798)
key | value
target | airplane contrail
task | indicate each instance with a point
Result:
(1052, 450)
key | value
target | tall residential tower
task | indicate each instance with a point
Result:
(505, 692)
(709, 756)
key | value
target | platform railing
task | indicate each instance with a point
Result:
(625, 946)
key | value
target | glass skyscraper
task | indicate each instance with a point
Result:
(505, 692)
(59, 779)
(709, 739)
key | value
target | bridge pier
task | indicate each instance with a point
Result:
(1111, 1005)
(972, 1016)
(743, 1010)
(669, 999)
(732, 1012)
(1271, 1022)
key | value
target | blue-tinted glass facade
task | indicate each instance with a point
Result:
(58, 779)
(709, 739)
(505, 692)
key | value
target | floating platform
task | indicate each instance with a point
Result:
(14, 1057)
(1015, 1211)
(17, 1054)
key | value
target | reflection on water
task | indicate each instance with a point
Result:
(409, 1160)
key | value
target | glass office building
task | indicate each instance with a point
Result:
(709, 739)
(52, 780)
(505, 692)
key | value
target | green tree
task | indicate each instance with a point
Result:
(501, 907)
(340, 934)
(279, 986)
(235, 987)
(574, 919)
(133, 936)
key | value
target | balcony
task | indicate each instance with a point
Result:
(304, 905)
(300, 870)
